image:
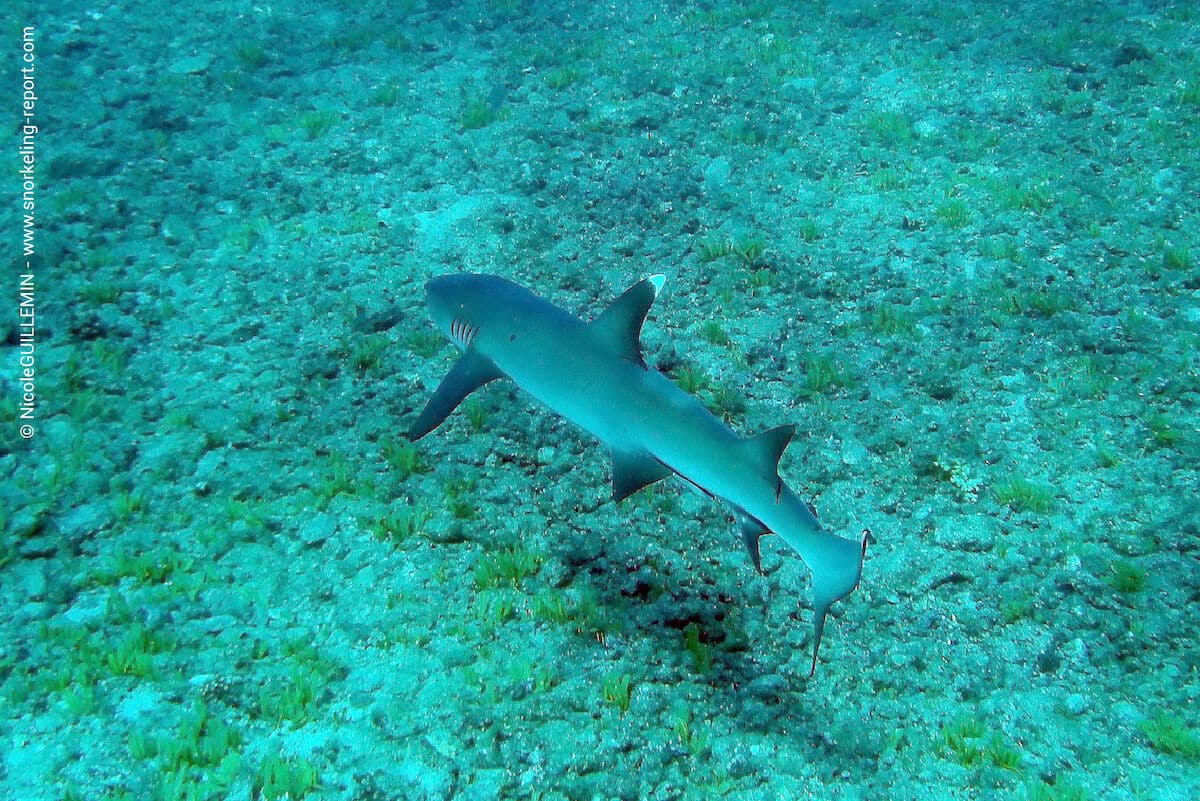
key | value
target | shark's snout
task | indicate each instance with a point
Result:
(446, 298)
(462, 304)
(440, 291)
(457, 293)
(442, 286)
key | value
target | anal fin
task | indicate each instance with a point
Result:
(752, 530)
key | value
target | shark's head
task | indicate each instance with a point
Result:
(462, 305)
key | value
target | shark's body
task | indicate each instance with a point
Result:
(593, 374)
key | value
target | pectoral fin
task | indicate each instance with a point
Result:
(468, 374)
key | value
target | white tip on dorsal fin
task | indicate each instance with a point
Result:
(620, 325)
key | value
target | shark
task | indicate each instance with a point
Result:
(594, 374)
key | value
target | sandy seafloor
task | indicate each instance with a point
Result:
(955, 243)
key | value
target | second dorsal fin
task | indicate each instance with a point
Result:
(766, 448)
(620, 325)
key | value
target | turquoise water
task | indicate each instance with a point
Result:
(955, 243)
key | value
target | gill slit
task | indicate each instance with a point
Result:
(463, 333)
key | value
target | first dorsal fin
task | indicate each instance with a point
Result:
(620, 325)
(766, 448)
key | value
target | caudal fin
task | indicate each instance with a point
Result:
(836, 566)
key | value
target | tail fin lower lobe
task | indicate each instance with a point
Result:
(836, 566)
